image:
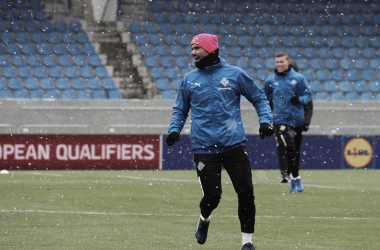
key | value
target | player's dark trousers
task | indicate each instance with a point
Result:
(238, 167)
(289, 141)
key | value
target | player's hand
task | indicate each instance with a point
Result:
(295, 100)
(172, 138)
(265, 130)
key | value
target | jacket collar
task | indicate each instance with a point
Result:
(215, 66)
(286, 72)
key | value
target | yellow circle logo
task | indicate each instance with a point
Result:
(358, 152)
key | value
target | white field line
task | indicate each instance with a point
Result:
(330, 187)
(157, 179)
(228, 182)
(39, 173)
(172, 215)
(196, 181)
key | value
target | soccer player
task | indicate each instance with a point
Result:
(212, 91)
(281, 149)
(290, 92)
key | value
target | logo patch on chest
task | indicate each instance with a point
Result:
(197, 84)
(224, 81)
(294, 82)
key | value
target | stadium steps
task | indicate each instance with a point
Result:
(61, 12)
(106, 36)
(103, 32)
(132, 10)
(123, 69)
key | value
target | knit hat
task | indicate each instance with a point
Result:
(207, 41)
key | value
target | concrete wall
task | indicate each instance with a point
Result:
(153, 117)
(104, 10)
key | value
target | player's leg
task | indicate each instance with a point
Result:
(287, 135)
(237, 164)
(209, 176)
(298, 141)
(282, 154)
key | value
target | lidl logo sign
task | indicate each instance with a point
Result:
(358, 152)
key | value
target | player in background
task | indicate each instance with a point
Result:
(308, 111)
(289, 92)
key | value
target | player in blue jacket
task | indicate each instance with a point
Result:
(212, 91)
(290, 92)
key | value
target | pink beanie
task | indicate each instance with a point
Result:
(207, 41)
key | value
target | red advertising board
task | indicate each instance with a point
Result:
(29, 152)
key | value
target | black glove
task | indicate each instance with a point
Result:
(305, 127)
(265, 130)
(295, 100)
(172, 138)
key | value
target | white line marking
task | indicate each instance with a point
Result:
(342, 218)
(156, 179)
(260, 175)
(39, 173)
(330, 187)
(173, 215)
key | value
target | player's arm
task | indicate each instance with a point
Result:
(181, 110)
(256, 96)
(304, 92)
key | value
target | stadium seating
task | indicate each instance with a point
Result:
(352, 96)
(93, 84)
(367, 96)
(114, 94)
(36, 94)
(336, 96)
(46, 84)
(14, 84)
(45, 59)
(321, 96)
(345, 86)
(333, 44)
(20, 94)
(68, 94)
(99, 94)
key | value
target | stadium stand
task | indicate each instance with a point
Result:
(336, 46)
(43, 58)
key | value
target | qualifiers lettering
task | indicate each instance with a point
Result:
(105, 152)
(25, 152)
(77, 152)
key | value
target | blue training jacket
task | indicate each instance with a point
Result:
(213, 95)
(281, 89)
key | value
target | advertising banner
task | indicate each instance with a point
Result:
(48, 152)
(317, 152)
(359, 152)
(97, 152)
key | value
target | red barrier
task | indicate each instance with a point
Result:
(42, 152)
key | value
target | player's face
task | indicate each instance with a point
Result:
(198, 52)
(282, 64)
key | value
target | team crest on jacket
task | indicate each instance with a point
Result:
(294, 82)
(224, 81)
(200, 166)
